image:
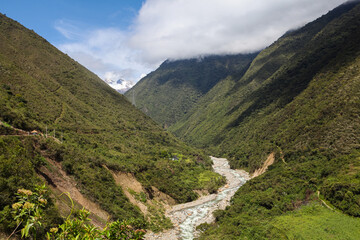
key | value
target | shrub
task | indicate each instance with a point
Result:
(28, 213)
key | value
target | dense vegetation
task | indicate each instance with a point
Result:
(28, 212)
(18, 162)
(301, 92)
(289, 186)
(168, 93)
(92, 126)
(299, 98)
(307, 111)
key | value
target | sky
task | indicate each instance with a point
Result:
(127, 39)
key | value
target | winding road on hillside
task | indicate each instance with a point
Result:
(187, 216)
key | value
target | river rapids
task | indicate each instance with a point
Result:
(187, 216)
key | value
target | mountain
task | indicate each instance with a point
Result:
(168, 93)
(298, 100)
(119, 85)
(61, 124)
(281, 100)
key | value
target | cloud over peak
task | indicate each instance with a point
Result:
(183, 29)
(179, 29)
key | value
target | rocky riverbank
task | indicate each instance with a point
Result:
(187, 216)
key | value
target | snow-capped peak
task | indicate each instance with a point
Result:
(117, 83)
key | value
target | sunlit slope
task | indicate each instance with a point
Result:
(45, 90)
(301, 92)
(305, 109)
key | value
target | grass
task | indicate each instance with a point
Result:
(317, 222)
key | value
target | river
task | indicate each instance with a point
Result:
(187, 216)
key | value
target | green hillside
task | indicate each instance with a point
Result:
(299, 93)
(298, 99)
(168, 93)
(314, 220)
(94, 129)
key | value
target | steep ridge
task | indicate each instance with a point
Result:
(306, 110)
(167, 94)
(299, 102)
(43, 89)
(284, 91)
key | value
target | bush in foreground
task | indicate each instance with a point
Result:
(28, 210)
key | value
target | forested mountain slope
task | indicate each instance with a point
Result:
(301, 92)
(168, 93)
(94, 129)
(300, 100)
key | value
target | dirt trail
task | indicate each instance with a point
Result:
(22, 133)
(326, 205)
(18, 132)
(186, 217)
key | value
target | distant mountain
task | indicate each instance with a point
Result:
(297, 100)
(168, 93)
(84, 135)
(119, 85)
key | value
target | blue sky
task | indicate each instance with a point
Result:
(43, 15)
(126, 39)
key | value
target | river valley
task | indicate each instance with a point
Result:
(185, 217)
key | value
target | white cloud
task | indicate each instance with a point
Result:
(69, 29)
(176, 29)
(187, 28)
(105, 52)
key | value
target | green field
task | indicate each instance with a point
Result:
(317, 222)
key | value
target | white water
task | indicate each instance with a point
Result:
(203, 212)
(187, 216)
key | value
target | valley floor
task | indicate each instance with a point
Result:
(185, 217)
